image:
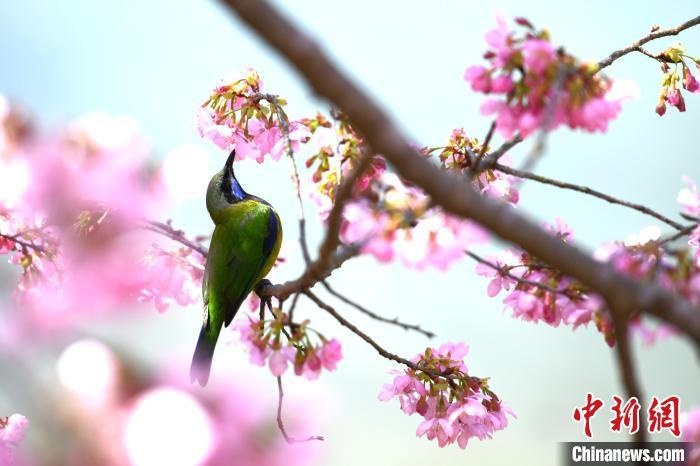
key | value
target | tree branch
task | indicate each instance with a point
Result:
(586, 190)
(637, 46)
(522, 281)
(364, 310)
(167, 230)
(450, 191)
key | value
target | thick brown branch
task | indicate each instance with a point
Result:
(450, 191)
(589, 191)
(375, 316)
(637, 46)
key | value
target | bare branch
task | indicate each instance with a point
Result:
(589, 191)
(373, 315)
(345, 323)
(280, 424)
(523, 281)
(681, 233)
(450, 191)
(637, 46)
(167, 230)
(308, 280)
(25, 244)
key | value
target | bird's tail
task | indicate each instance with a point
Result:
(203, 355)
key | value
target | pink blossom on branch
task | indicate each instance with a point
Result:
(536, 86)
(456, 406)
(237, 116)
(268, 343)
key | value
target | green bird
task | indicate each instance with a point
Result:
(246, 240)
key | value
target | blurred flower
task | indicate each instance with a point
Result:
(168, 426)
(89, 370)
(12, 431)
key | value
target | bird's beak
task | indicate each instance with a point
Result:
(228, 166)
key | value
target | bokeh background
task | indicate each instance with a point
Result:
(156, 61)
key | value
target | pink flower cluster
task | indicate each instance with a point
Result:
(404, 230)
(537, 292)
(264, 340)
(536, 86)
(12, 432)
(454, 405)
(459, 154)
(238, 115)
(172, 277)
(676, 79)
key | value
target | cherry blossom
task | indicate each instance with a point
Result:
(238, 115)
(455, 407)
(536, 86)
(677, 76)
(266, 345)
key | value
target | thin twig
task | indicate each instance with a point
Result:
(345, 323)
(284, 125)
(373, 315)
(280, 424)
(15, 239)
(167, 230)
(637, 46)
(589, 191)
(522, 281)
(482, 149)
(681, 233)
(540, 144)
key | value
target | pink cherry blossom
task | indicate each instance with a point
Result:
(479, 78)
(331, 354)
(452, 412)
(537, 55)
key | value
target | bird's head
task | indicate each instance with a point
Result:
(224, 189)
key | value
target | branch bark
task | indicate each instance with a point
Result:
(621, 292)
(637, 46)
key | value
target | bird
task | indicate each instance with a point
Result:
(244, 247)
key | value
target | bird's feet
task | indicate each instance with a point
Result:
(259, 290)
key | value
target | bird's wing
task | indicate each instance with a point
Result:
(241, 251)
